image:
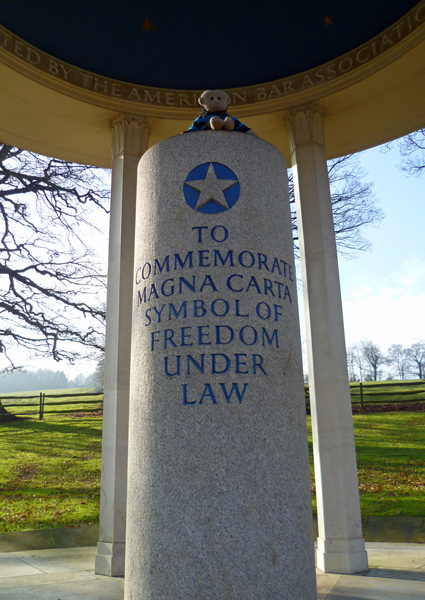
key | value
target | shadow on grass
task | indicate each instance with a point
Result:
(49, 439)
(54, 426)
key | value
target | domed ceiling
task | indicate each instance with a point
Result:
(188, 45)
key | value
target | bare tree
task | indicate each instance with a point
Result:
(351, 364)
(416, 355)
(52, 291)
(398, 358)
(354, 205)
(373, 357)
(356, 360)
(412, 149)
(50, 299)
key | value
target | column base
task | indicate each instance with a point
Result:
(341, 556)
(110, 559)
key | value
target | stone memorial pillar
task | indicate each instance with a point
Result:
(219, 501)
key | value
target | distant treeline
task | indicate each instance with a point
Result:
(44, 379)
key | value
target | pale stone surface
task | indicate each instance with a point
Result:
(340, 542)
(219, 502)
(51, 561)
(350, 587)
(12, 565)
(129, 141)
(388, 554)
(403, 581)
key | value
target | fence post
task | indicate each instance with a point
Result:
(361, 395)
(41, 410)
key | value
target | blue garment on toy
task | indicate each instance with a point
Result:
(203, 121)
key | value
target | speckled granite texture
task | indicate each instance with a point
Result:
(219, 497)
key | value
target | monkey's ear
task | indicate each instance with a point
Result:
(228, 98)
(203, 98)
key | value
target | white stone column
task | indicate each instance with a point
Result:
(129, 142)
(341, 547)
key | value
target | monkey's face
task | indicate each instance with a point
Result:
(214, 100)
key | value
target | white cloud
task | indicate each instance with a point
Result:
(412, 272)
(386, 316)
(388, 307)
(361, 292)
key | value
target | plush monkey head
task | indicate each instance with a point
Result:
(214, 100)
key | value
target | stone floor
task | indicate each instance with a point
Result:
(397, 572)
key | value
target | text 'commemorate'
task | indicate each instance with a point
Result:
(213, 312)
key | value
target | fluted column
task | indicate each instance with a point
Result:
(341, 546)
(129, 142)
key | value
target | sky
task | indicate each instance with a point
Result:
(383, 290)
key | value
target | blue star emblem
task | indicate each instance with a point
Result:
(211, 188)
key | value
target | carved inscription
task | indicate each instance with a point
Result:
(250, 95)
(169, 297)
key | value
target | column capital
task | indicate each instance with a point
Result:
(305, 126)
(129, 135)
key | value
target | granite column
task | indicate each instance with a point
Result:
(219, 501)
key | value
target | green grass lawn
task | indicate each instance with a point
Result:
(391, 463)
(50, 469)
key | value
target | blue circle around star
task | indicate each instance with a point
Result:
(211, 188)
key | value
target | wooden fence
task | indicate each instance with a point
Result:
(381, 393)
(385, 392)
(40, 405)
(362, 393)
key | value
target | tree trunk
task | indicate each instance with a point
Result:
(5, 415)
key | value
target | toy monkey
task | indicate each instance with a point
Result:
(214, 116)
